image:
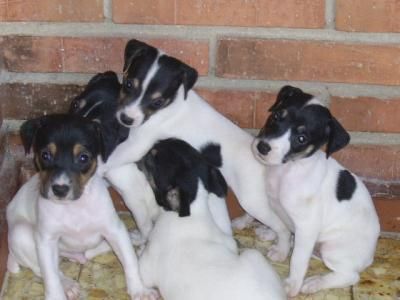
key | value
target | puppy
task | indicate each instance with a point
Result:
(325, 206)
(98, 102)
(65, 209)
(188, 256)
(156, 102)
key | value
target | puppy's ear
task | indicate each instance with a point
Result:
(28, 132)
(102, 143)
(108, 75)
(133, 49)
(189, 78)
(338, 137)
(216, 183)
(286, 92)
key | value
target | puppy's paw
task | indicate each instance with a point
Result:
(146, 294)
(292, 286)
(71, 288)
(312, 285)
(277, 254)
(264, 233)
(137, 238)
(242, 222)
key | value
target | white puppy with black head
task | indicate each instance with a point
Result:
(65, 209)
(157, 102)
(325, 206)
(188, 256)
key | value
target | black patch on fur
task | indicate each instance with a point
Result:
(212, 153)
(173, 164)
(346, 185)
(100, 97)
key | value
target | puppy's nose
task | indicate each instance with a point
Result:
(263, 148)
(60, 190)
(125, 119)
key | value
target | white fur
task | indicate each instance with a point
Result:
(303, 193)
(196, 122)
(191, 258)
(40, 230)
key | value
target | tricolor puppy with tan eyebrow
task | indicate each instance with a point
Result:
(327, 207)
(65, 209)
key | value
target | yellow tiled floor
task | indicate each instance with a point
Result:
(102, 278)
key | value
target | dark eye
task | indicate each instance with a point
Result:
(302, 139)
(83, 158)
(157, 103)
(128, 84)
(75, 104)
(45, 155)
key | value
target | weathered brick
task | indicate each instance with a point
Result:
(56, 10)
(260, 13)
(383, 189)
(3, 16)
(372, 161)
(389, 213)
(23, 101)
(90, 55)
(308, 61)
(368, 15)
(367, 114)
(32, 54)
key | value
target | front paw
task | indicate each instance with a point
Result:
(145, 294)
(71, 288)
(292, 286)
(312, 285)
(276, 253)
(137, 238)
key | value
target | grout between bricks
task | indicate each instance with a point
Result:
(107, 10)
(330, 14)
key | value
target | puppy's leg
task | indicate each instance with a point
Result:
(304, 242)
(118, 238)
(219, 213)
(12, 264)
(331, 280)
(137, 195)
(264, 233)
(242, 222)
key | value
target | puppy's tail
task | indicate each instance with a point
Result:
(212, 154)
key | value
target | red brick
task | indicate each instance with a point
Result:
(367, 114)
(262, 106)
(32, 54)
(308, 61)
(55, 10)
(90, 55)
(260, 13)
(24, 101)
(144, 12)
(3, 16)
(389, 213)
(368, 15)
(379, 162)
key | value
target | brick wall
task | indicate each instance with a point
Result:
(348, 52)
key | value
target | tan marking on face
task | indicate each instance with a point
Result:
(77, 149)
(84, 177)
(82, 103)
(284, 113)
(136, 83)
(52, 148)
(156, 95)
(153, 152)
(301, 128)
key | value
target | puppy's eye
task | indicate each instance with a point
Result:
(279, 115)
(157, 102)
(302, 139)
(75, 104)
(128, 84)
(83, 158)
(45, 155)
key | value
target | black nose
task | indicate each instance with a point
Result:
(263, 148)
(60, 190)
(125, 119)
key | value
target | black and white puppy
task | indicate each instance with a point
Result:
(188, 256)
(66, 209)
(99, 102)
(157, 102)
(325, 206)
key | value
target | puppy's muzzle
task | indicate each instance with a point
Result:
(263, 147)
(60, 190)
(125, 120)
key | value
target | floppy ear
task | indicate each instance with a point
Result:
(133, 49)
(285, 92)
(338, 137)
(104, 145)
(189, 77)
(28, 132)
(216, 183)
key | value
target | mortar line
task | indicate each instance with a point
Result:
(107, 9)
(330, 14)
(212, 56)
(195, 32)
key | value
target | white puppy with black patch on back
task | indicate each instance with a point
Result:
(326, 206)
(156, 102)
(65, 209)
(188, 256)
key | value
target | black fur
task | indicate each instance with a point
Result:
(162, 89)
(174, 165)
(311, 126)
(346, 185)
(212, 153)
(99, 101)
